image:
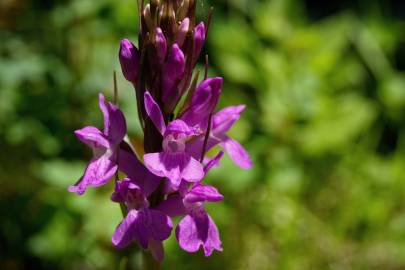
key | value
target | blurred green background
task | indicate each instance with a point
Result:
(325, 125)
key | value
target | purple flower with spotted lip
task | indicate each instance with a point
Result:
(103, 165)
(148, 227)
(173, 162)
(197, 228)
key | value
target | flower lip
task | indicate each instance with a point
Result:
(174, 143)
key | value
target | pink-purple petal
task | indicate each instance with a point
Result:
(213, 241)
(117, 126)
(125, 232)
(202, 193)
(92, 137)
(174, 166)
(204, 101)
(223, 120)
(195, 146)
(187, 234)
(106, 114)
(172, 206)
(237, 153)
(97, 173)
(194, 231)
(154, 112)
(193, 171)
(213, 162)
(137, 172)
(142, 226)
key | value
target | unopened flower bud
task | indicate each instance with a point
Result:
(199, 39)
(172, 71)
(148, 17)
(154, 4)
(129, 59)
(161, 45)
(183, 10)
(182, 31)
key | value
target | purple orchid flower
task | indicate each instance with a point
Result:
(103, 165)
(197, 227)
(222, 121)
(148, 227)
(173, 162)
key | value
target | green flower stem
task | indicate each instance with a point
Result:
(148, 262)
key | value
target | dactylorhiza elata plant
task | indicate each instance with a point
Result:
(167, 179)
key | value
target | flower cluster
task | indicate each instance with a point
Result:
(167, 179)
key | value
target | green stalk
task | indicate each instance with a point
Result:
(148, 262)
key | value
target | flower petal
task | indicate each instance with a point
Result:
(187, 234)
(201, 193)
(115, 125)
(154, 112)
(92, 137)
(194, 147)
(213, 162)
(152, 224)
(118, 125)
(196, 230)
(174, 166)
(213, 241)
(126, 230)
(137, 172)
(237, 153)
(193, 171)
(203, 102)
(223, 120)
(172, 206)
(104, 110)
(97, 173)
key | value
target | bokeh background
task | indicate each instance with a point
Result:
(325, 125)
